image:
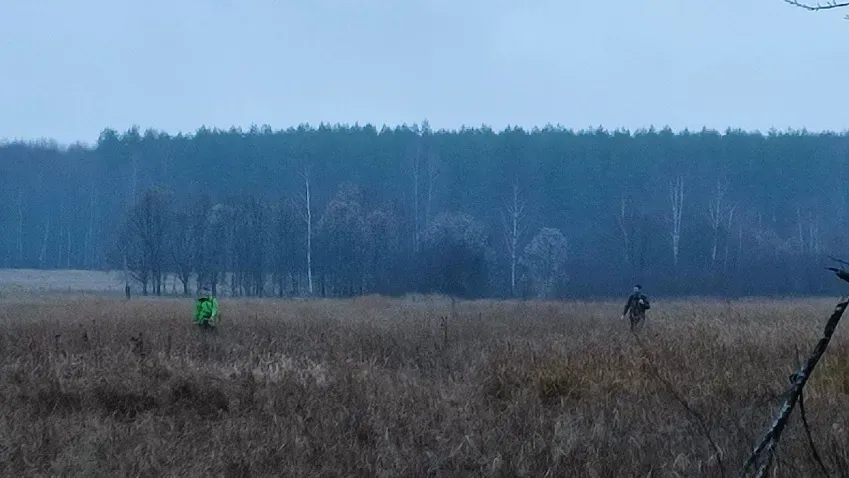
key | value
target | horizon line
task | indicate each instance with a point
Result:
(424, 125)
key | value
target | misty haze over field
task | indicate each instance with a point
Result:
(579, 210)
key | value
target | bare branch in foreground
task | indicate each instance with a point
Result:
(799, 379)
(814, 452)
(818, 6)
(839, 261)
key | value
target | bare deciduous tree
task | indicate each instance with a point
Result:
(251, 246)
(625, 220)
(182, 243)
(416, 158)
(88, 254)
(213, 251)
(432, 174)
(204, 253)
(285, 247)
(513, 221)
(42, 256)
(455, 249)
(720, 213)
(381, 248)
(341, 237)
(676, 197)
(144, 241)
(307, 214)
(544, 257)
(808, 230)
(729, 223)
(20, 235)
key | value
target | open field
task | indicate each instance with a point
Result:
(35, 283)
(28, 282)
(375, 387)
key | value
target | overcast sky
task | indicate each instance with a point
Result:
(68, 69)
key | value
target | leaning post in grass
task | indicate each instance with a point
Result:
(770, 439)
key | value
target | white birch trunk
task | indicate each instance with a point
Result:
(20, 226)
(720, 212)
(432, 174)
(676, 196)
(134, 180)
(623, 227)
(512, 222)
(89, 235)
(416, 229)
(126, 272)
(42, 256)
(808, 232)
(308, 219)
(728, 236)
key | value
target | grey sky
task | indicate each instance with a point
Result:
(70, 68)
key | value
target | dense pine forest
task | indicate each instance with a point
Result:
(348, 210)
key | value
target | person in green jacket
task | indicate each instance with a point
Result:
(206, 310)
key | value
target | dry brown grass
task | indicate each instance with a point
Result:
(375, 387)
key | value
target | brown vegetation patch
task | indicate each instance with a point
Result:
(202, 397)
(124, 404)
(52, 398)
(559, 380)
(380, 387)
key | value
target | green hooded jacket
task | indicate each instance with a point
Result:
(206, 310)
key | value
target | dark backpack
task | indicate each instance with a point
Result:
(646, 305)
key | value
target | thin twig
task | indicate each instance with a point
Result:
(804, 417)
(814, 451)
(839, 261)
(700, 421)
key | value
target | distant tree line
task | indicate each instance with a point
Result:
(347, 210)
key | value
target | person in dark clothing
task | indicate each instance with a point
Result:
(636, 307)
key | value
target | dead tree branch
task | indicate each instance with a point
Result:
(814, 452)
(817, 6)
(839, 261)
(770, 440)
